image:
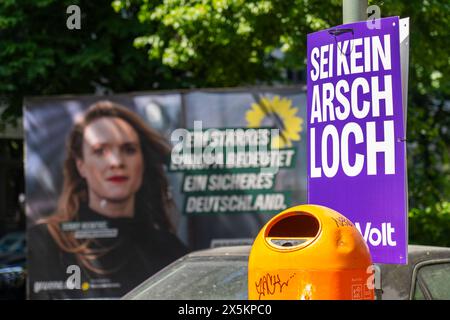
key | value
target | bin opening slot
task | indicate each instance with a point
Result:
(295, 228)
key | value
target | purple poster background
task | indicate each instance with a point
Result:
(376, 203)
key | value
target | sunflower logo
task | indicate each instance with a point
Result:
(85, 286)
(281, 113)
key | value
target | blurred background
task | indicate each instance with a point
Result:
(134, 45)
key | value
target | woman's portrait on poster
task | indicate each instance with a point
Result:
(113, 217)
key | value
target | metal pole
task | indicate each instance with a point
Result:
(354, 10)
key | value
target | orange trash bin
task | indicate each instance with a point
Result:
(310, 252)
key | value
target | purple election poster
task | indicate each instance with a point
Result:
(356, 138)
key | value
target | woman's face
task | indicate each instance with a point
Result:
(112, 162)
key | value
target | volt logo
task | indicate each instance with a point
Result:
(376, 236)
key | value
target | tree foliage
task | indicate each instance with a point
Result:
(230, 42)
(39, 55)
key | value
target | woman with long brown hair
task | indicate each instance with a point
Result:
(112, 220)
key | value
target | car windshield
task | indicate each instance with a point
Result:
(197, 278)
(434, 277)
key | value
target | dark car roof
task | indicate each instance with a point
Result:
(416, 253)
(222, 251)
(395, 279)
